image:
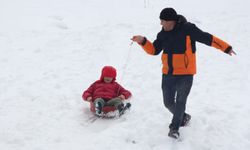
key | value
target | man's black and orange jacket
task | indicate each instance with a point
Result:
(178, 46)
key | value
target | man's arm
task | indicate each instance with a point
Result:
(151, 48)
(208, 39)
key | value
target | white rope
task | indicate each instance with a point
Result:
(124, 67)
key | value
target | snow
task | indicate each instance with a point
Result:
(52, 50)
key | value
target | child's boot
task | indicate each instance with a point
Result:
(98, 108)
(120, 108)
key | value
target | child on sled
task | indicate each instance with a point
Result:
(105, 94)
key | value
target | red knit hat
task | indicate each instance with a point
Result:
(108, 71)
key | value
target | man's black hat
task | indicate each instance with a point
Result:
(168, 14)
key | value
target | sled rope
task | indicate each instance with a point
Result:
(124, 67)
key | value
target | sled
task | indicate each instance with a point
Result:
(105, 109)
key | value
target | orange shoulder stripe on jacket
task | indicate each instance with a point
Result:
(149, 47)
(219, 44)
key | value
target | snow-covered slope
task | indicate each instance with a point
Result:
(52, 50)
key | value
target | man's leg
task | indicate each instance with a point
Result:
(183, 88)
(169, 91)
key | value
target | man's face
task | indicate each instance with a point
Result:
(168, 25)
(107, 79)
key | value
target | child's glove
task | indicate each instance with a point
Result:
(89, 99)
(122, 97)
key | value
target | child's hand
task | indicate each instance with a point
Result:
(89, 99)
(122, 96)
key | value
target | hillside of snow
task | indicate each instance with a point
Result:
(52, 50)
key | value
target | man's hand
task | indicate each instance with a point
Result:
(231, 52)
(122, 96)
(137, 38)
(89, 99)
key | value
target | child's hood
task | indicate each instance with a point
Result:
(108, 71)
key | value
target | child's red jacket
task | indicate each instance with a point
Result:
(107, 91)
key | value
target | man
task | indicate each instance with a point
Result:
(177, 41)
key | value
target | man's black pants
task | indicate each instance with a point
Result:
(175, 90)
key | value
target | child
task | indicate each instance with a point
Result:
(106, 92)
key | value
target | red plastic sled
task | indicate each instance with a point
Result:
(105, 109)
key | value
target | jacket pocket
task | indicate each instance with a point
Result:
(179, 61)
(164, 59)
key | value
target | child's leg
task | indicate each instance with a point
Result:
(99, 103)
(114, 102)
(100, 100)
